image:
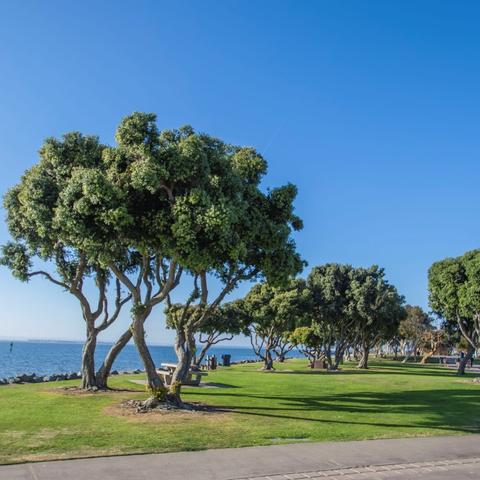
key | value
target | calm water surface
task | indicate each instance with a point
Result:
(45, 358)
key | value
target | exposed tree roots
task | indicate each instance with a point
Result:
(152, 404)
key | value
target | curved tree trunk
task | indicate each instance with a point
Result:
(426, 356)
(464, 361)
(395, 352)
(104, 371)
(88, 361)
(410, 353)
(268, 360)
(281, 351)
(339, 353)
(185, 350)
(197, 361)
(407, 358)
(364, 358)
(328, 358)
(155, 384)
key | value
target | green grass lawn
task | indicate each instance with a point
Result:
(293, 404)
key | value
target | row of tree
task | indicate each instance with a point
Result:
(337, 308)
(341, 311)
(126, 224)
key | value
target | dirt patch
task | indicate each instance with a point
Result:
(128, 410)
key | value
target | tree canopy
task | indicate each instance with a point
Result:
(412, 329)
(36, 225)
(454, 293)
(273, 313)
(379, 308)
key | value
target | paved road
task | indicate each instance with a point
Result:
(406, 459)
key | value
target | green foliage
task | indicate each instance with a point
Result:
(415, 324)
(15, 257)
(32, 205)
(276, 310)
(309, 337)
(333, 308)
(454, 293)
(187, 195)
(37, 219)
(378, 306)
(352, 305)
(228, 319)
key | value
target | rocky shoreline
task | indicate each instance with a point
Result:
(56, 377)
(60, 377)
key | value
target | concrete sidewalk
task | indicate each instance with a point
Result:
(415, 458)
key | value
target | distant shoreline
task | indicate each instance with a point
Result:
(80, 342)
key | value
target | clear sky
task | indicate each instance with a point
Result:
(371, 108)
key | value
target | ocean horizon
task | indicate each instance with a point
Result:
(47, 357)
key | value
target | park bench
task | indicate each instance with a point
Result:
(194, 376)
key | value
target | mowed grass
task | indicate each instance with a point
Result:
(293, 404)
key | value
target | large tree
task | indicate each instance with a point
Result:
(378, 309)
(274, 313)
(454, 295)
(412, 330)
(158, 204)
(333, 309)
(40, 245)
(172, 202)
(256, 243)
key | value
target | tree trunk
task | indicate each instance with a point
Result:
(364, 359)
(268, 361)
(88, 361)
(464, 361)
(197, 361)
(104, 371)
(339, 353)
(395, 352)
(280, 357)
(155, 384)
(185, 350)
(328, 357)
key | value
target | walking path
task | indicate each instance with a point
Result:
(402, 459)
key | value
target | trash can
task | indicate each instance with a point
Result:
(226, 359)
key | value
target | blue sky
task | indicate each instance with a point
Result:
(371, 108)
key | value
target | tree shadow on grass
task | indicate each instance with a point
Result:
(447, 410)
(409, 370)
